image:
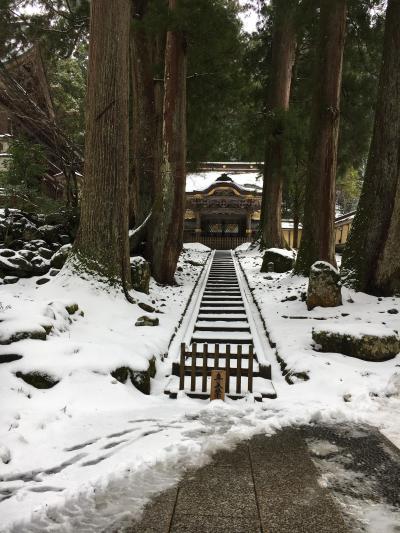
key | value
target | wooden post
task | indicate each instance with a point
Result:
(217, 391)
(239, 370)
(227, 366)
(193, 369)
(250, 370)
(182, 367)
(216, 356)
(205, 367)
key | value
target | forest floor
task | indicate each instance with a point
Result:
(90, 453)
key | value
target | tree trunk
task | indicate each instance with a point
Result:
(169, 206)
(144, 138)
(387, 277)
(370, 235)
(283, 56)
(102, 245)
(318, 236)
(296, 222)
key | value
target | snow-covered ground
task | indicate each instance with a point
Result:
(364, 391)
(87, 454)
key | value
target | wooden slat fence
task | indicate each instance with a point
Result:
(203, 370)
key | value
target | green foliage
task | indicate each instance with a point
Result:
(67, 79)
(26, 165)
(348, 190)
(20, 182)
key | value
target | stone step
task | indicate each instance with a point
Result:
(223, 298)
(221, 304)
(214, 317)
(206, 310)
(223, 326)
(226, 337)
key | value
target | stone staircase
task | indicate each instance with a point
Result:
(221, 339)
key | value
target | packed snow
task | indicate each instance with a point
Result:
(88, 454)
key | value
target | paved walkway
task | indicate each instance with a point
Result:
(267, 485)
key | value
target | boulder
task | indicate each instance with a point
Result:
(59, 258)
(39, 380)
(368, 341)
(40, 266)
(324, 286)
(140, 274)
(38, 332)
(8, 280)
(146, 307)
(45, 253)
(42, 281)
(139, 378)
(30, 232)
(6, 252)
(282, 259)
(49, 233)
(147, 321)
(15, 266)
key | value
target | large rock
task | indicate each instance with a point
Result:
(139, 378)
(39, 380)
(147, 321)
(59, 258)
(15, 266)
(50, 233)
(140, 273)
(324, 286)
(283, 260)
(371, 342)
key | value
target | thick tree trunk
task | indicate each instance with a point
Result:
(375, 213)
(167, 221)
(387, 276)
(102, 245)
(318, 236)
(283, 56)
(144, 135)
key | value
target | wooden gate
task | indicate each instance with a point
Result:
(199, 364)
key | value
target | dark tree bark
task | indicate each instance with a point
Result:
(146, 109)
(369, 264)
(102, 245)
(318, 237)
(282, 60)
(169, 205)
(387, 276)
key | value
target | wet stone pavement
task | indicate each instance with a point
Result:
(314, 479)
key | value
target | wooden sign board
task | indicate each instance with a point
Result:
(218, 378)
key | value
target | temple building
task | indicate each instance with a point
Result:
(223, 206)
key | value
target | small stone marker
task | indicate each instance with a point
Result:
(218, 378)
(270, 267)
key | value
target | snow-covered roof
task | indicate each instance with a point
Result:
(250, 181)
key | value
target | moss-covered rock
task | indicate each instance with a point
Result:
(283, 260)
(139, 378)
(370, 343)
(324, 286)
(39, 380)
(38, 333)
(140, 274)
(59, 258)
(72, 308)
(147, 321)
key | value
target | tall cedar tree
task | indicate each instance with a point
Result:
(102, 244)
(282, 60)
(169, 204)
(371, 257)
(146, 124)
(318, 239)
